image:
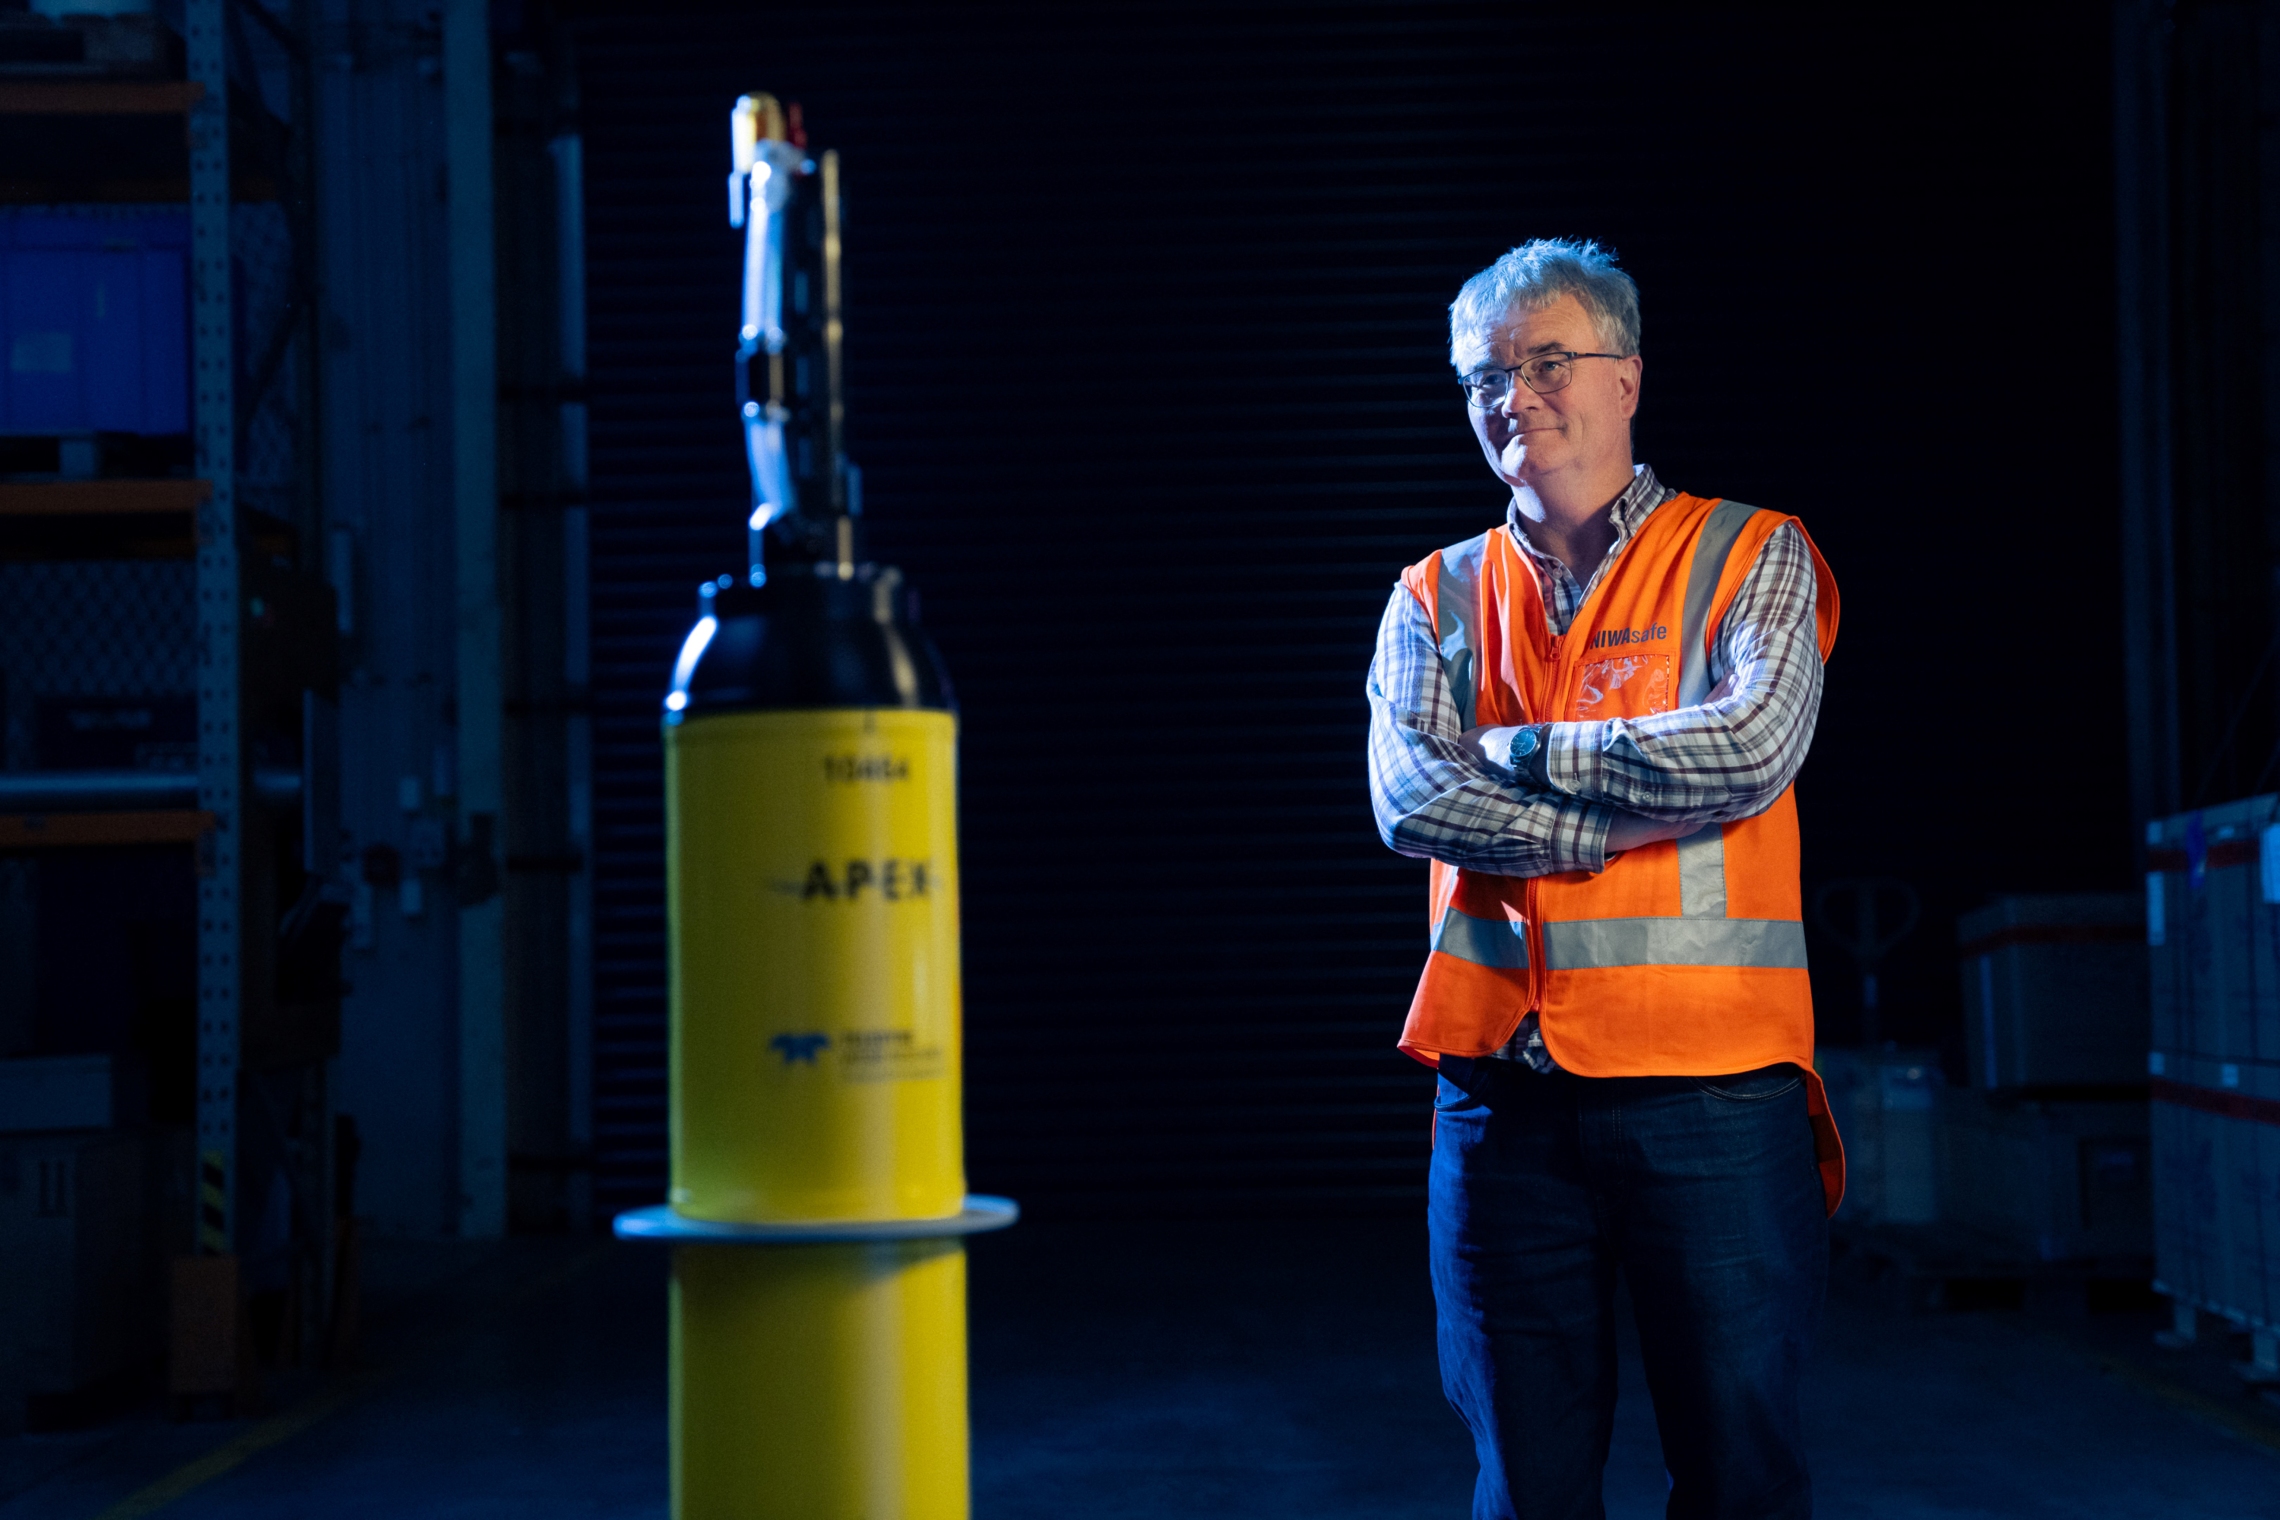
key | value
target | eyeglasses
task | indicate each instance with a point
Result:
(1542, 374)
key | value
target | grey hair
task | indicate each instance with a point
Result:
(1532, 277)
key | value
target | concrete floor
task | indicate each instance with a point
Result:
(1255, 1370)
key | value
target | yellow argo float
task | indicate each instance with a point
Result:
(818, 1194)
(812, 881)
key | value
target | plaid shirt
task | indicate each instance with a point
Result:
(1726, 759)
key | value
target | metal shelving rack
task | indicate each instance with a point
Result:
(216, 816)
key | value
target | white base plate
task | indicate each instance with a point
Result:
(660, 1223)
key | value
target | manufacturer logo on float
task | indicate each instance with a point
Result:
(798, 1049)
(1608, 638)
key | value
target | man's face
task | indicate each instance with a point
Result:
(1578, 431)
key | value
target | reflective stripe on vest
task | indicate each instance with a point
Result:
(1726, 522)
(1590, 944)
(1459, 620)
(1702, 854)
(1501, 943)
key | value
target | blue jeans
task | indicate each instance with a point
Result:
(1703, 1193)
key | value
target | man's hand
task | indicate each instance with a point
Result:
(1492, 745)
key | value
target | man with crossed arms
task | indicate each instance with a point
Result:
(1588, 719)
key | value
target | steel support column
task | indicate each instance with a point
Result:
(221, 757)
(479, 707)
(2142, 280)
(577, 661)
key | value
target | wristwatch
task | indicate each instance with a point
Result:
(1524, 746)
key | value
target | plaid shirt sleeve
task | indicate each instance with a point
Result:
(1731, 757)
(1435, 801)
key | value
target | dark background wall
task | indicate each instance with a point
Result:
(1148, 385)
(2197, 181)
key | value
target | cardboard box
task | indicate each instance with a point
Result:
(207, 1346)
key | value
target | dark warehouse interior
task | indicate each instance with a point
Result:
(340, 922)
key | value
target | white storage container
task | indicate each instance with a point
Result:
(2054, 990)
(41, 1093)
(76, 1307)
(2052, 1179)
(2213, 922)
(1887, 1108)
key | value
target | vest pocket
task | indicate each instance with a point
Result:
(1643, 681)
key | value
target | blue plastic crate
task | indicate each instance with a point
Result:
(94, 320)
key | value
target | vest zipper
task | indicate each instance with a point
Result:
(1528, 897)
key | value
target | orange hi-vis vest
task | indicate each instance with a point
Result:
(1683, 958)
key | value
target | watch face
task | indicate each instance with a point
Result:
(1524, 744)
